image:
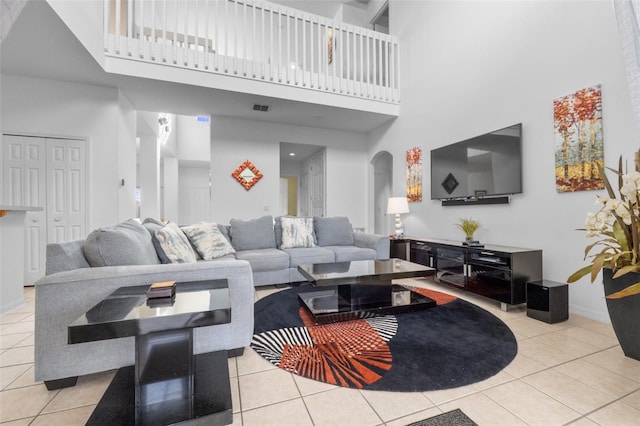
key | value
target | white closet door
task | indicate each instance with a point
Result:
(24, 185)
(317, 185)
(66, 190)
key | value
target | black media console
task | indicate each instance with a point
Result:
(493, 271)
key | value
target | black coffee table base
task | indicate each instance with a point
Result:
(210, 403)
(344, 302)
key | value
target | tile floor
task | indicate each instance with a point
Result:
(568, 373)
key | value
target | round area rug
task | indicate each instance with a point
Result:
(453, 344)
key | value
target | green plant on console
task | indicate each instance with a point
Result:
(468, 226)
(617, 224)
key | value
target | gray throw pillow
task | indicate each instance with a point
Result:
(253, 234)
(208, 240)
(127, 243)
(175, 244)
(333, 231)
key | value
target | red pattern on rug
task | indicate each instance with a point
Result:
(440, 298)
(343, 353)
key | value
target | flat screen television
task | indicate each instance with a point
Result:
(483, 166)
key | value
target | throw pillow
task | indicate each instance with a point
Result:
(253, 234)
(127, 243)
(174, 244)
(297, 232)
(208, 240)
(333, 231)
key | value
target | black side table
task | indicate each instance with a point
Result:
(548, 301)
(168, 384)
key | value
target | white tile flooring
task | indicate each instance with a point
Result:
(568, 373)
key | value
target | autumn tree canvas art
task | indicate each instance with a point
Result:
(578, 137)
(414, 174)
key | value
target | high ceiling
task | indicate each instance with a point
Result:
(40, 45)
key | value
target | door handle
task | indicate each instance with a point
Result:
(57, 219)
(34, 220)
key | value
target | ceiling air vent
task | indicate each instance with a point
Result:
(263, 108)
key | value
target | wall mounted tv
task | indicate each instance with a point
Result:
(480, 168)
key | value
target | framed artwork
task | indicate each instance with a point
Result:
(247, 174)
(579, 148)
(414, 174)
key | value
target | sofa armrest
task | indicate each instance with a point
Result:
(63, 297)
(377, 242)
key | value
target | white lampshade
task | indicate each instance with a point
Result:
(397, 205)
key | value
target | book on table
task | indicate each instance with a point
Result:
(161, 289)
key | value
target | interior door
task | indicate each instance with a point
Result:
(24, 166)
(316, 189)
(66, 190)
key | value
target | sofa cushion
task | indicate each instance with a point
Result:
(253, 234)
(208, 240)
(302, 256)
(297, 232)
(174, 244)
(265, 259)
(333, 231)
(126, 243)
(349, 253)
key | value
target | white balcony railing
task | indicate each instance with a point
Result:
(256, 40)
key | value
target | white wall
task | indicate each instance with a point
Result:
(193, 139)
(126, 159)
(47, 107)
(235, 140)
(472, 67)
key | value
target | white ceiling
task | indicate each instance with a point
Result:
(40, 45)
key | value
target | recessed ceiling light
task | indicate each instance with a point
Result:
(292, 154)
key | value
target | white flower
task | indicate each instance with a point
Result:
(612, 204)
(602, 200)
(623, 213)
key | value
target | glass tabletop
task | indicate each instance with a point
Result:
(336, 273)
(127, 311)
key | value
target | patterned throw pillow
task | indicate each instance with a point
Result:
(297, 232)
(175, 244)
(208, 240)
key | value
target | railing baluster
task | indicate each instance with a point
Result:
(206, 34)
(244, 57)
(235, 37)
(320, 44)
(165, 42)
(253, 42)
(304, 51)
(263, 36)
(288, 48)
(196, 35)
(106, 17)
(271, 49)
(279, 63)
(130, 28)
(141, 31)
(117, 26)
(297, 63)
(226, 35)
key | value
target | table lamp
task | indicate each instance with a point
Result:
(398, 206)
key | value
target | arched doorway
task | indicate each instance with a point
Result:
(382, 164)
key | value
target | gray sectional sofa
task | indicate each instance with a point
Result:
(81, 273)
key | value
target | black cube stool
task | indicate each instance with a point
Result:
(548, 301)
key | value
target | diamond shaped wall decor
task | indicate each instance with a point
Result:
(247, 174)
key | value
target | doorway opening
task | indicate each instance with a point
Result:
(382, 164)
(302, 174)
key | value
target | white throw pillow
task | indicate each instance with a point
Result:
(208, 240)
(297, 232)
(175, 244)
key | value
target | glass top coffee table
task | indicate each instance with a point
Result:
(346, 290)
